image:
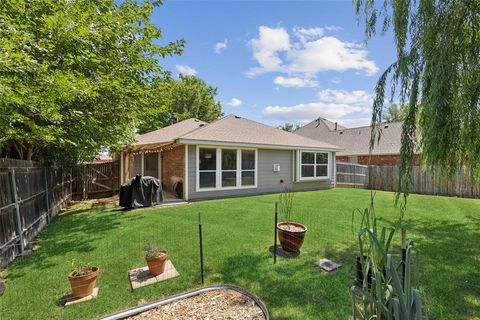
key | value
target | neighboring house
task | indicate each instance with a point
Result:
(356, 141)
(232, 156)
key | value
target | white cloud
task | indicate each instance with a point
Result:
(220, 46)
(266, 48)
(310, 53)
(295, 82)
(185, 70)
(331, 104)
(234, 102)
(306, 34)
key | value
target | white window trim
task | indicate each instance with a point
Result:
(218, 170)
(314, 178)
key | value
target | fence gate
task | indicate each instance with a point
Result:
(352, 175)
(95, 180)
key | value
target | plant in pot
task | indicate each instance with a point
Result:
(391, 295)
(371, 258)
(291, 234)
(156, 258)
(83, 279)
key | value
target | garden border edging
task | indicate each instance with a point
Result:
(136, 310)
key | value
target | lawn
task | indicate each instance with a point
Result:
(238, 236)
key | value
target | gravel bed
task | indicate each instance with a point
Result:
(224, 304)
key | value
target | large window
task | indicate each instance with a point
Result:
(226, 168)
(313, 165)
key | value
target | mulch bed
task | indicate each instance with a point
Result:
(222, 304)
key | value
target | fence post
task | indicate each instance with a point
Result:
(275, 234)
(84, 181)
(17, 211)
(201, 247)
(46, 194)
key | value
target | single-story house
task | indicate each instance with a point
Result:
(356, 141)
(228, 157)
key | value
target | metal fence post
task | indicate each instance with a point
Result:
(201, 247)
(275, 234)
(47, 200)
(17, 211)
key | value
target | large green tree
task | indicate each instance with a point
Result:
(290, 127)
(394, 113)
(175, 100)
(75, 75)
(436, 74)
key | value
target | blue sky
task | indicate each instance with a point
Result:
(279, 61)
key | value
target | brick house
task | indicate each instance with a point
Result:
(356, 141)
(232, 156)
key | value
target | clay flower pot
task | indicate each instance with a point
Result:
(291, 235)
(83, 285)
(156, 265)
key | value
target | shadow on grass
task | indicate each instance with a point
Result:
(73, 231)
(294, 282)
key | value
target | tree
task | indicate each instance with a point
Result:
(436, 74)
(175, 100)
(394, 113)
(290, 127)
(75, 75)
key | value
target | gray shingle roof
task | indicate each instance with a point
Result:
(230, 130)
(355, 141)
(170, 133)
(237, 130)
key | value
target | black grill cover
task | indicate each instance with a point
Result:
(141, 192)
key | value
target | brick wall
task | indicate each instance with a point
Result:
(173, 162)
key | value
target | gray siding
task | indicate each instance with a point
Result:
(268, 181)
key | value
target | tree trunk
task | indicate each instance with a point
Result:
(29, 152)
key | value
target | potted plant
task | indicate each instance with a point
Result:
(156, 258)
(291, 234)
(83, 279)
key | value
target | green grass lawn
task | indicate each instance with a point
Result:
(238, 236)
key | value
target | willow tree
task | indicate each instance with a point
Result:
(436, 74)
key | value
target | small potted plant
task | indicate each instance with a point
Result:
(291, 234)
(156, 258)
(83, 279)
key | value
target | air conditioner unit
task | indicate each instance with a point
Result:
(276, 167)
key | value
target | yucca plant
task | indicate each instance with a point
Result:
(389, 297)
(371, 257)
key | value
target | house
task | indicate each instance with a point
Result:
(356, 141)
(231, 156)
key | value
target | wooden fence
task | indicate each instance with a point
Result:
(95, 180)
(425, 181)
(31, 195)
(352, 175)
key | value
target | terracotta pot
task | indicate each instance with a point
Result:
(83, 285)
(156, 265)
(291, 240)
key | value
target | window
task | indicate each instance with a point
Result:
(313, 165)
(248, 167)
(207, 167)
(226, 168)
(229, 168)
